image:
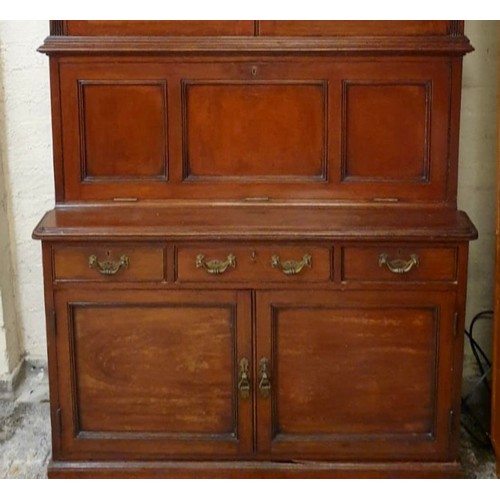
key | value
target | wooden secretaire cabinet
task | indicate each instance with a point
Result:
(256, 266)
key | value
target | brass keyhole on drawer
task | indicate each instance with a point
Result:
(254, 70)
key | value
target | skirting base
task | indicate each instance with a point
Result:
(264, 470)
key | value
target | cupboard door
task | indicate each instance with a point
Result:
(363, 375)
(148, 375)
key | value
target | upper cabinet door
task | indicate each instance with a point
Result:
(353, 28)
(355, 375)
(154, 374)
(159, 28)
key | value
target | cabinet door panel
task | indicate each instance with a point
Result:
(153, 373)
(355, 374)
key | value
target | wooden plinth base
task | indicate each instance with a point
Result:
(264, 470)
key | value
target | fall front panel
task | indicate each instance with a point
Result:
(363, 130)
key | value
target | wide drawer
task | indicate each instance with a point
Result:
(108, 263)
(243, 263)
(399, 263)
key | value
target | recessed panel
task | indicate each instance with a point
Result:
(352, 28)
(154, 368)
(386, 132)
(255, 130)
(123, 130)
(364, 371)
(159, 28)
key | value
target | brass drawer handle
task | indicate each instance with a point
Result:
(215, 266)
(265, 382)
(244, 379)
(291, 267)
(398, 266)
(108, 267)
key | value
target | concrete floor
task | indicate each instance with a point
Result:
(25, 435)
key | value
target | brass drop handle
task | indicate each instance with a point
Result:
(291, 267)
(108, 267)
(265, 382)
(244, 379)
(215, 266)
(398, 266)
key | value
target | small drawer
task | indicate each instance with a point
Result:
(394, 263)
(108, 263)
(238, 263)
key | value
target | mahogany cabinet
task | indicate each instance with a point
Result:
(256, 266)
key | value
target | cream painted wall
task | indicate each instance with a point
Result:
(477, 168)
(27, 166)
(26, 138)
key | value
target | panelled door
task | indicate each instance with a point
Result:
(354, 375)
(153, 373)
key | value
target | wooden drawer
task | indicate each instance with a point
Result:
(233, 263)
(108, 263)
(394, 263)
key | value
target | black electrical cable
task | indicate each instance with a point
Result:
(478, 352)
(475, 347)
(484, 439)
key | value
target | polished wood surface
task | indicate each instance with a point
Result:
(258, 28)
(124, 125)
(355, 374)
(263, 130)
(434, 264)
(397, 131)
(256, 266)
(255, 263)
(152, 374)
(255, 470)
(145, 263)
(159, 28)
(350, 129)
(259, 220)
(353, 28)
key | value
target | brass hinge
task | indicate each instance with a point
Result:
(125, 200)
(59, 420)
(256, 199)
(455, 325)
(451, 415)
(385, 200)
